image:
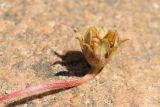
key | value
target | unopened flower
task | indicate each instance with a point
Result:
(98, 46)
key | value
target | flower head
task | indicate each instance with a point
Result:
(98, 46)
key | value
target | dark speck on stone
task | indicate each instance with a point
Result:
(112, 2)
(2, 36)
(3, 61)
(134, 104)
(18, 65)
(9, 16)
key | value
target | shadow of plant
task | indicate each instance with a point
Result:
(75, 63)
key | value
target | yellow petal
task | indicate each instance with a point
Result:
(112, 37)
(101, 33)
(91, 32)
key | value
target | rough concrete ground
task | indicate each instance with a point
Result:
(32, 30)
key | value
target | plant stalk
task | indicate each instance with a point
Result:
(53, 85)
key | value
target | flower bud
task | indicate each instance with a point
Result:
(97, 46)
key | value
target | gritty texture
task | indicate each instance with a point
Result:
(34, 34)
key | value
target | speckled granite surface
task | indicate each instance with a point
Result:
(32, 30)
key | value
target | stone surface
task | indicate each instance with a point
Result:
(31, 31)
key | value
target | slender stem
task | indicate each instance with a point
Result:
(53, 85)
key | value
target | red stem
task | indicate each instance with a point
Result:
(54, 85)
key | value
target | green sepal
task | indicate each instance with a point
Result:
(101, 49)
